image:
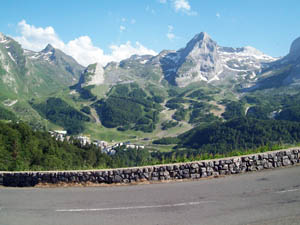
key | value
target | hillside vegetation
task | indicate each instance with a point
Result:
(61, 113)
(129, 107)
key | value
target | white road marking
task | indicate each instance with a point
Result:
(135, 207)
(290, 190)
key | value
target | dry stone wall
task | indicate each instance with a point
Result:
(191, 170)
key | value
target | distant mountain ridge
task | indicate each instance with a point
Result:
(202, 59)
(177, 90)
(282, 72)
(24, 72)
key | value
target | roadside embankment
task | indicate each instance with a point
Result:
(178, 171)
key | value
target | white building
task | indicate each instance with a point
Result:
(84, 140)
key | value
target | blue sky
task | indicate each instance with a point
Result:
(105, 30)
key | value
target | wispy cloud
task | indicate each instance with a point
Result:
(122, 28)
(182, 6)
(149, 9)
(218, 15)
(170, 35)
(81, 48)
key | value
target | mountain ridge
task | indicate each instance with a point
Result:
(28, 72)
(202, 59)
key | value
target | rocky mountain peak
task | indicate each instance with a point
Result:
(1, 36)
(199, 60)
(200, 41)
(49, 48)
(295, 48)
(201, 36)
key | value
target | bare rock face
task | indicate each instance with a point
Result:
(282, 72)
(97, 75)
(295, 49)
(199, 60)
(203, 60)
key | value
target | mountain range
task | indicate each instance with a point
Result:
(200, 60)
(145, 96)
(33, 74)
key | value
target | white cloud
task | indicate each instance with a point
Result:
(81, 48)
(124, 51)
(122, 28)
(218, 15)
(182, 5)
(170, 35)
(36, 38)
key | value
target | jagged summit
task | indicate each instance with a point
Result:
(202, 59)
(199, 60)
(3, 38)
(295, 49)
(201, 40)
(48, 48)
(201, 37)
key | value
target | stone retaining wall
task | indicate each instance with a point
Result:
(191, 170)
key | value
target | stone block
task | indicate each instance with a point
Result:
(204, 174)
(194, 166)
(169, 168)
(127, 171)
(195, 176)
(155, 174)
(286, 162)
(245, 159)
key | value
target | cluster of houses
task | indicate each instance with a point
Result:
(111, 150)
(61, 135)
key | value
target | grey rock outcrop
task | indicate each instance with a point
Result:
(295, 49)
(199, 60)
(204, 60)
(282, 72)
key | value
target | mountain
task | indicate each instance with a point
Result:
(27, 73)
(282, 72)
(141, 96)
(202, 59)
(65, 67)
(199, 60)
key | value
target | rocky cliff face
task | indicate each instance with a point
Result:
(282, 72)
(203, 60)
(92, 75)
(199, 60)
(63, 66)
(295, 50)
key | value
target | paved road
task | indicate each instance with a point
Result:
(264, 198)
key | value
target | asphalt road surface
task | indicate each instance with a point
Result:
(262, 198)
